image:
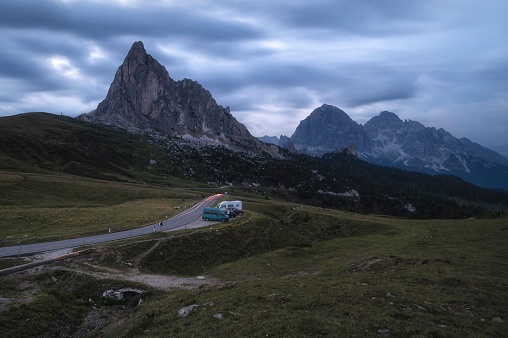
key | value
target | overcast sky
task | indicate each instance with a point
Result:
(443, 63)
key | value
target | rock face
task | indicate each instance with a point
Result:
(270, 139)
(328, 128)
(351, 150)
(387, 140)
(411, 143)
(144, 97)
(284, 142)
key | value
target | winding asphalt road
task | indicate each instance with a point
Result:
(178, 221)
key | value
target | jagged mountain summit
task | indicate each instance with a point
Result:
(386, 139)
(411, 143)
(143, 97)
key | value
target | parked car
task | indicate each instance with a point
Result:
(233, 212)
(215, 214)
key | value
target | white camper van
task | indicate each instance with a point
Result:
(229, 205)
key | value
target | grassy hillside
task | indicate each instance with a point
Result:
(405, 279)
(282, 271)
(41, 142)
(42, 207)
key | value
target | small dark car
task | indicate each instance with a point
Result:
(233, 212)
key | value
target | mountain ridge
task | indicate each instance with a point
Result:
(143, 97)
(387, 140)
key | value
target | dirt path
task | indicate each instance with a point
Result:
(161, 282)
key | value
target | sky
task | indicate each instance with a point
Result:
(443, 63)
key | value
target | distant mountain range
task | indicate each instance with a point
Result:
(387, 140)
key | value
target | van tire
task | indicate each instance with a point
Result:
(207, 219)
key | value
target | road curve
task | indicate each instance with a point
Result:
(185, 217)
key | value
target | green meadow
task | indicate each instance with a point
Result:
(314, 273)
(39, 207)
(283, 269)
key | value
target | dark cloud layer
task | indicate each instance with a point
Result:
(442, 63)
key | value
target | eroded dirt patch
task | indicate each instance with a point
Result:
(160, 282)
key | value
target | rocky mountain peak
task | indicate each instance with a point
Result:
(383, 120)
(137, 48)
(330, 114)
(327, 127)
(143, 97)
(138, 53)
(388, 114)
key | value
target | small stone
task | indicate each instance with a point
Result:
(200, 277)
(208, 304)
(218, 316)
(383, 332)
(497, 320)
(184, 312)
(140, 302)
